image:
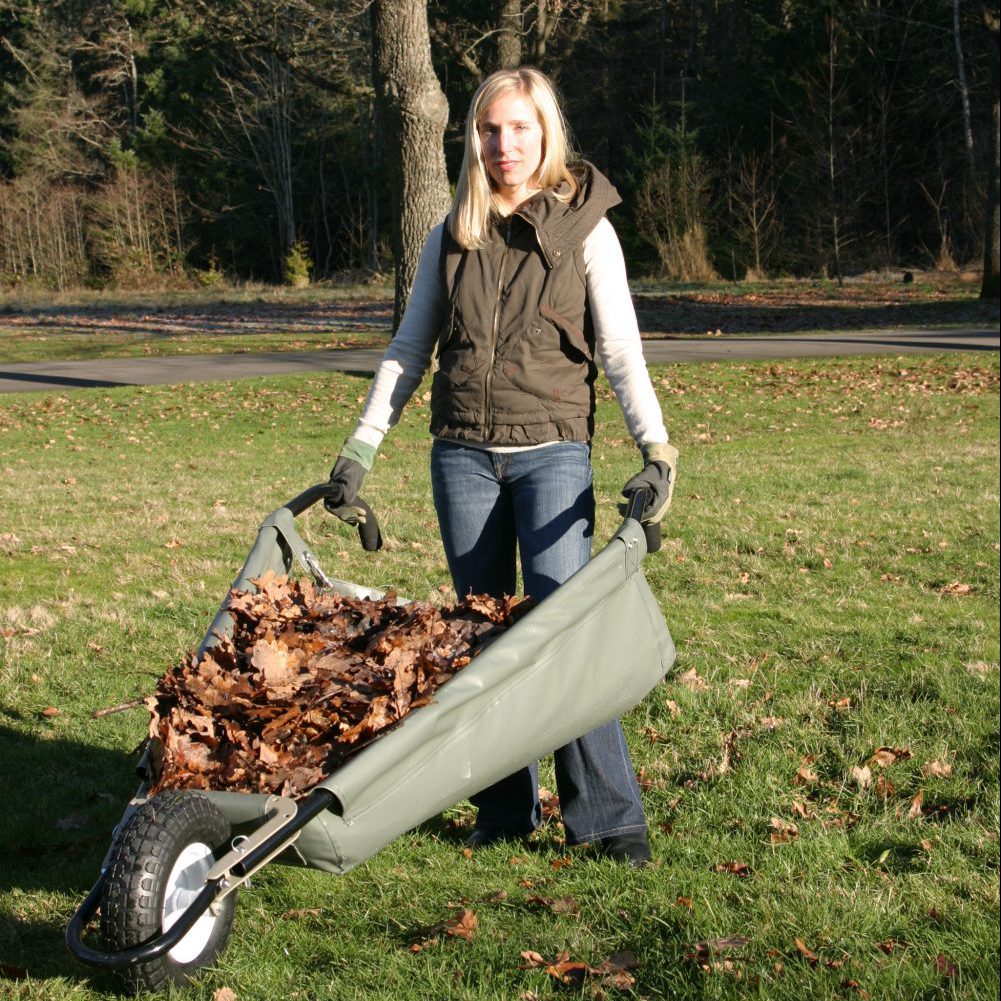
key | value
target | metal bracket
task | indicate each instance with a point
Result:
(310, 562)
(284, 811)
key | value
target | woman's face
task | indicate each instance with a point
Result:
(511, 139)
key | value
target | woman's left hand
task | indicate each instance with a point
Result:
(657, 476)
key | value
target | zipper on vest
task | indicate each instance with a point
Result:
(488, 419)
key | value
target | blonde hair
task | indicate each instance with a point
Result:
(475, 200)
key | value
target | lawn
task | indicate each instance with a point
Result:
(820, 769)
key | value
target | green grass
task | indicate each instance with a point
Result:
(829, 574)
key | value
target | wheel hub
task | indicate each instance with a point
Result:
(185, 882)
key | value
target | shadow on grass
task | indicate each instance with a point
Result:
(69, 381)
(679, 314)
(62, 800)
(663, 312)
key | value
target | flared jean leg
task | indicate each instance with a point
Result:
(538, 504)
(599, 794)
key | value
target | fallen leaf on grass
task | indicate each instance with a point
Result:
(806, 952)
(613, 972)
(862, 777)
(49, 711)
(805, 775)
(550, 804)
(462, 924)
(567, 971)
(886, 756)
(957, 587)
(739, 869)
(936, 769)
(702, 951)
(225, 994)
(945, 966)
(884, 787)
(690, 679)
(645, 783)
(610, 973)
(914, 813)
(855, 986)
(783, 830)
(301, 912)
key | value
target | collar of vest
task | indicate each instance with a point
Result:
(562, 226)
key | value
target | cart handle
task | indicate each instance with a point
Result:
(635, 503)
(368, 530)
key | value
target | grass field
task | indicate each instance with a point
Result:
(820, 770)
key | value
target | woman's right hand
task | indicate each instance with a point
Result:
(352, 465)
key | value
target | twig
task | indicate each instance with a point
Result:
(131, 704)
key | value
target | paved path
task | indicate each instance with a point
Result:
(63, 375)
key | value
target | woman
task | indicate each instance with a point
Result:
(517, 292)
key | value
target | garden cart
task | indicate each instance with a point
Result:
(586, 654)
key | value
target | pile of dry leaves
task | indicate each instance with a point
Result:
(307, 679)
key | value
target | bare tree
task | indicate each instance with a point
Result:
(964, 92)
(260, 108)
(414, 113)
(755, 201)
(991, 285)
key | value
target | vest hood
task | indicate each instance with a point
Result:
(561, 227)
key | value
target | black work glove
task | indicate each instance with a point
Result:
(657, 476)
(352, 465)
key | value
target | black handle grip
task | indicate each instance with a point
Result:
(635, 504)
(369, 532)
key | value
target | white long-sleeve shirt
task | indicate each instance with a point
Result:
(617, 341)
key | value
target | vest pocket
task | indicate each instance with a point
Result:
(575, 343)
(549, 363)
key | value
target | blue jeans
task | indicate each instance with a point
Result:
(539, 504)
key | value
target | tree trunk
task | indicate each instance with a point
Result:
(414, 114)
(991, 285)
(964, 93)
(509, 34)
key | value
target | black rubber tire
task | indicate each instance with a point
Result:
(141, 862)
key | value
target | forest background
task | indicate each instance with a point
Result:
(150, 143)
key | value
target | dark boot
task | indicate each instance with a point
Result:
(631, 849)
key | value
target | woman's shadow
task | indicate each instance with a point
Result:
(61, 800)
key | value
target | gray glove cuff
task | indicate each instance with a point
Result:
(660, 451)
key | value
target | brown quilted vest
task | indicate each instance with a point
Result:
(516, 353)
